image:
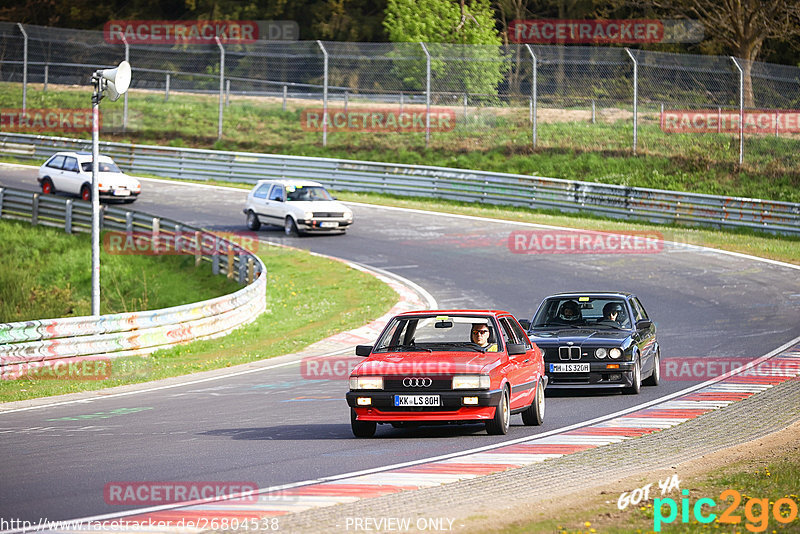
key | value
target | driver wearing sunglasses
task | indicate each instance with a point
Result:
(480, 336)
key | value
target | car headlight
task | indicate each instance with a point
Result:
(471, 382)
(615, 353)
(348, 215)
(601, 353)
(308, 215)
(366, 382)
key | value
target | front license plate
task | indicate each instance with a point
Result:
(122, 193)
(569, 367)
(329, 224)
(416, 400)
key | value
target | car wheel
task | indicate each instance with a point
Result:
(362, 429)
(289, 227)
(86, 192)
(499, 424)
(637, 378)
(534, 415)
(47, 187)
(252, 221)
(655, 377)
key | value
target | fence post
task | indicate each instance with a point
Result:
(401, 101)
(741, 109)
(166, 88)
(215, 257)
(427, 94)
(125, 101)
(24, 67)
(345, 101)
(777, 118)
(221, 84)
(594, 120)
(35, 210)
(465, 107)
(533, 95)
(285, 89)
(635, 98)
(227, 93)
(324, 93)
(68, 216)
(46, 72)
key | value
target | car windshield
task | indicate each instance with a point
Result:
(307, 193)
(439, 333)
(581, 312)
(102, 166)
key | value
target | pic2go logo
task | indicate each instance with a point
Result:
(756, 511)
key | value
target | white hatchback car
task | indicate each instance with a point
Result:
(300, 206)
(71, 172)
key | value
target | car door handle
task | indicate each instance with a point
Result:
(526, 360)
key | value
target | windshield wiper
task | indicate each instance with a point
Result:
(408, 348)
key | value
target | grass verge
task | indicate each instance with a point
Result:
(308, 299)
(490, 139)
(46, 274)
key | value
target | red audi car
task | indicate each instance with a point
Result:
(448, 366)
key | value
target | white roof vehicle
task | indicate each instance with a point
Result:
(71, 172)
(300, 206)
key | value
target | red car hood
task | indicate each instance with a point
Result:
(438, 363)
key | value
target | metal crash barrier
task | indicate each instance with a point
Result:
(653, 205)
(136, 333)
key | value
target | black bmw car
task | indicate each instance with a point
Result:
(596, 340)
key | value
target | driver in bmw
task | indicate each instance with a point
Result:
(480, 336)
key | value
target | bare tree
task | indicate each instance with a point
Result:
(741, 25)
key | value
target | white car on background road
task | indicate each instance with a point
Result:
(71, 172)
(300, 206)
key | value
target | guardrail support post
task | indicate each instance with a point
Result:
(221, 85)
(741, 109)
(35, 211)
(24, 67)
(129, 222)
(1, 201)
(68, 216)
(324, 94)
(427, 94)
(177, 243)
(215, 257)
(154, 235)
(250, 270)
(533, 95)
(231, 258)
(635, 98)
(198, 249)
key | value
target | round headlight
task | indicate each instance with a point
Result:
(615, 353)
(601, 353)
(308, 215)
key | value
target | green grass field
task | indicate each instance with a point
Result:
(343, 298)
(496, 139)
(46, 273)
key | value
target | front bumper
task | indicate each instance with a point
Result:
(322, 225)
(452, 407)
(599, 376)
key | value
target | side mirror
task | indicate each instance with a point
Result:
(644, 324)
(363, 350)
(515, 349)
(525, 324)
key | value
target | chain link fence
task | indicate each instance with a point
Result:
(416, 95)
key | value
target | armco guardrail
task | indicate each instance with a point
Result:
(653, 205)
(137, 333)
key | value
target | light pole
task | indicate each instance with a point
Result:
(116, 82)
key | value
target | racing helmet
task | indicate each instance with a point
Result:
(569, 311)
(612, 307)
